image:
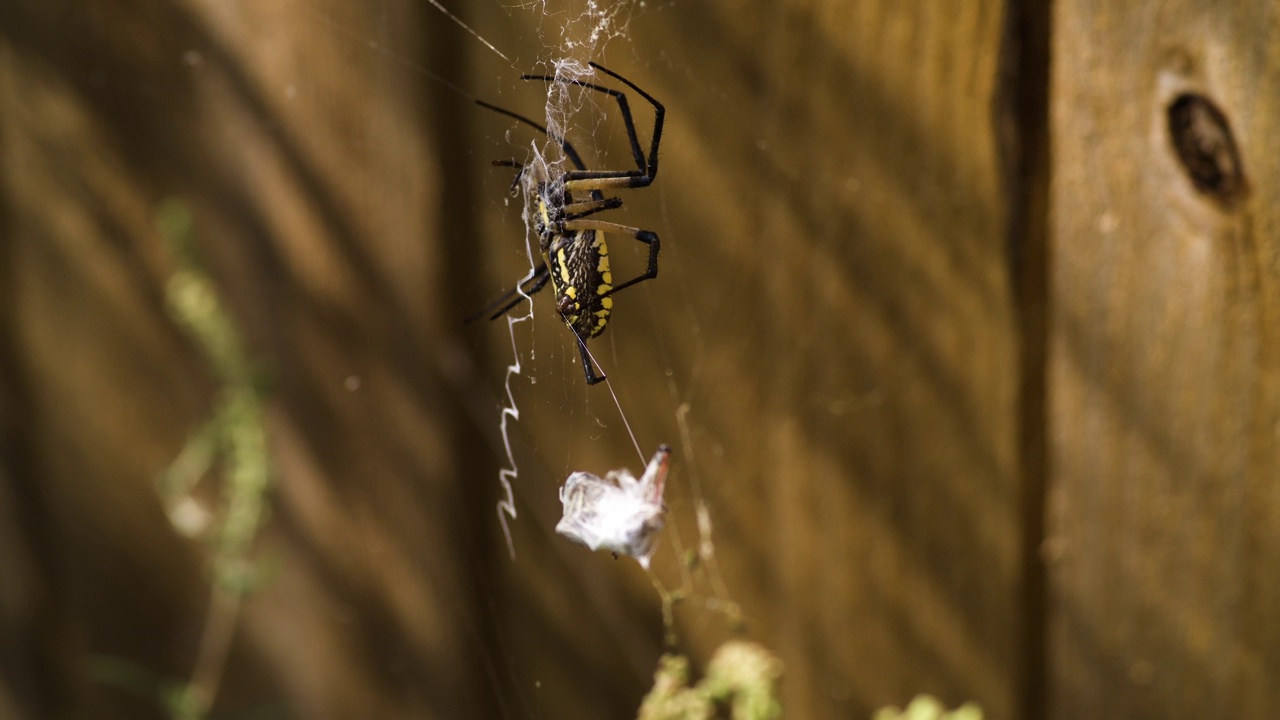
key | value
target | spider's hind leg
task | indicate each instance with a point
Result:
(588, 368)
(502, 304)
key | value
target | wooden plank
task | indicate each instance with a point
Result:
(835, 307)
(1164, 525)
(309, 164)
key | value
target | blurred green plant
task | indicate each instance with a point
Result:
(742, 677)
(175, 697)
(234, 439)
(235, 432)
(927, 707)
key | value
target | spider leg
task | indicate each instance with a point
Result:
(623, 107)
(645, 236)
(648, 169)
(659, 115)
(597, 180)
(503, 303)
(578, 210)
(587, 368)
(512, 163)
(565, 145)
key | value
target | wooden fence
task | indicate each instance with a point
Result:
(965, 338)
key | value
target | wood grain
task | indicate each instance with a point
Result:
(309, 166)
(1163, 369)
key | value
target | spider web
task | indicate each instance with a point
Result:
(572, 33)
(581, 36)
(575, 33)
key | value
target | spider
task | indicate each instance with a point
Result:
(575, 257)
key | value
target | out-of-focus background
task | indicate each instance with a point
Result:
(966, 340)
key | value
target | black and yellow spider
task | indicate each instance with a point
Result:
(575, 257)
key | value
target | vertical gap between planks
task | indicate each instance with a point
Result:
(1022, 121)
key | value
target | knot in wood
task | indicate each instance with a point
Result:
(1206, 148)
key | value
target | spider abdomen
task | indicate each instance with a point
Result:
(579, 264)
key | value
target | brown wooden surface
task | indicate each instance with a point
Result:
(878, 378)
(1164, 525)
(834, 308)
(311, 168)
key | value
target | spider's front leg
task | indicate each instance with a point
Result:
(517, 165)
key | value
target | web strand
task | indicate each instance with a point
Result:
(466, 27)
(621, 414)
(400, 60)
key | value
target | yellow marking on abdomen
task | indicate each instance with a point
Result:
(564, 266)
